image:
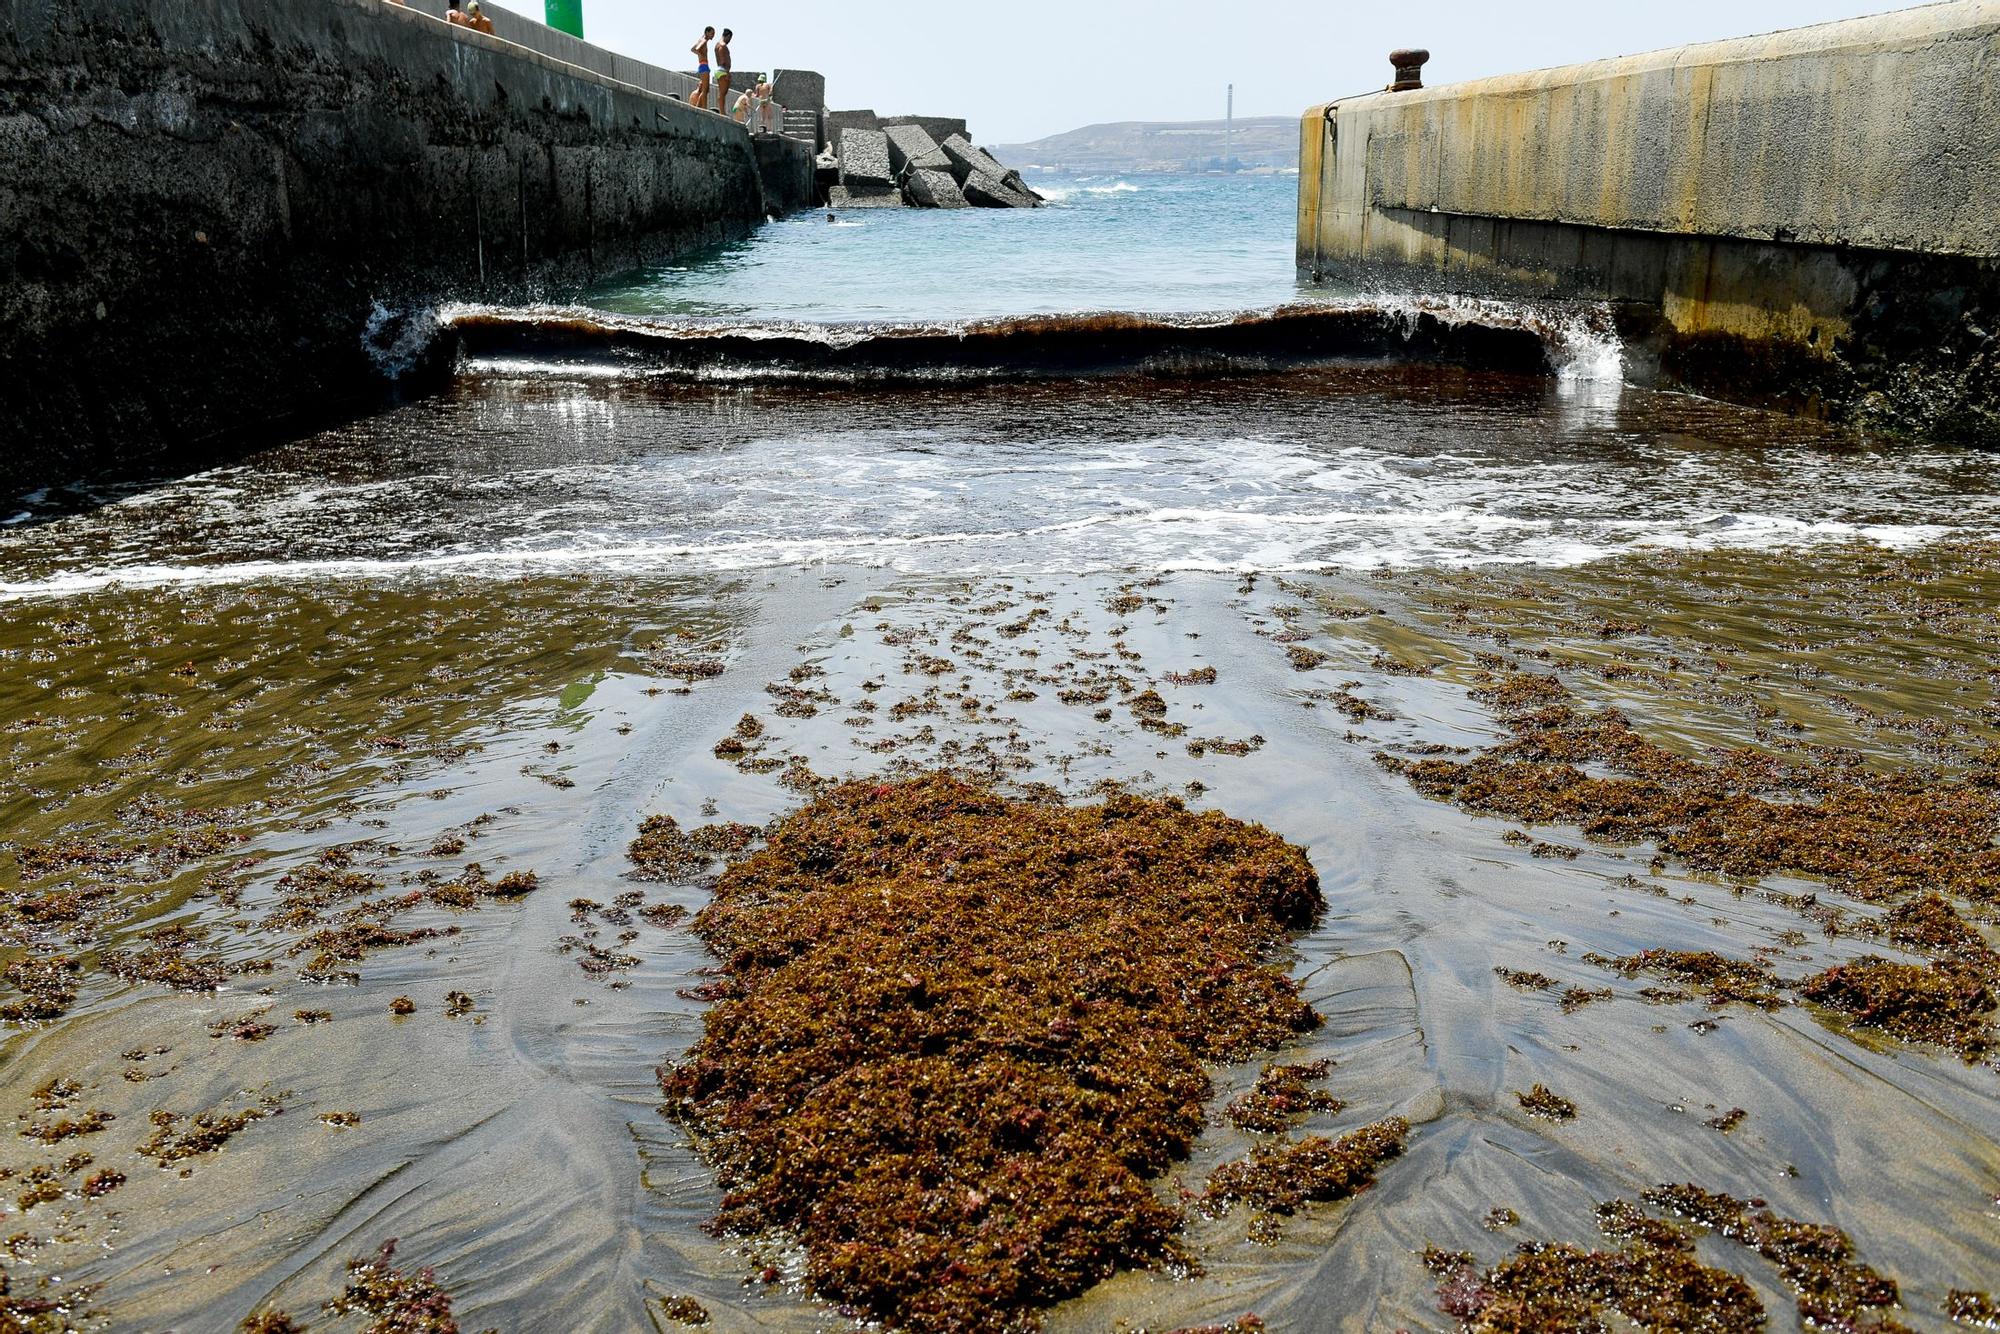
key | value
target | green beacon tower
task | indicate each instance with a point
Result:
(566, 16)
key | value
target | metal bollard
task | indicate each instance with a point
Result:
(1409, 69)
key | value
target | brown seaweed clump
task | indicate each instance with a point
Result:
(1547, 1104)
(1911, 838)
(1945, 1003)
(1282, 1096)
(663, 852)
(1281, 1179)
(1834, 1290)
(43, 1308)
(1656, 1283)
(1972, 1308)
(176, 1137)
(1719, 978)
(1872, 835)
(48, 987)
(683, 1310)
(957, 1032)
(1932, 926)
(1656, 1280)
(394, 1300)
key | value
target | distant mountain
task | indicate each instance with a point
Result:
(1265, 142)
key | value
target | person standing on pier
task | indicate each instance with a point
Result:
(722, 64)
(760, 103)
(700, 49)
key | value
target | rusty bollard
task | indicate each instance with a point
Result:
(1409, 69)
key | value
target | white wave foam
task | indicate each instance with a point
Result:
(1062, 194)
(1582, 341)
(1167, 538)
(396, 340)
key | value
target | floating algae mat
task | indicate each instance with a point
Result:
(958, 1032)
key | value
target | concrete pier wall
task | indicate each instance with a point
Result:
(1809, 218)
(216, 216)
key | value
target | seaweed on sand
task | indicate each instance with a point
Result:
(1657, 1282)
(46, 1307)
(1280, 1179)
(1834, 1290)
(1282, 1096)
(176, 1137)
(1718, 977)
(1873, 835)
(1909, 836)
(1547, 1104)
(48, 987)
(959, 1032)
(395, 1301)
(1972, 1308)
(1946, 1003)
(663, 852)
(1561, 1289)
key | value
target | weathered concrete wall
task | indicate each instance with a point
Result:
(212, 212)
(1813, 216)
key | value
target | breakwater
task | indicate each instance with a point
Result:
(1809, 219)
(221, 218)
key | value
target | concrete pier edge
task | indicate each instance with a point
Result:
(219, 219)
(1808, 219)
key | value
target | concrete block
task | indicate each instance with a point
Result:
(984, 191)
(864, 196)
(864, 158)
(933, 189)
(935, 160)
(939, 128)
(799, 90)
(1013, 178)
(838, 122)
(967, 161)
(907, 143)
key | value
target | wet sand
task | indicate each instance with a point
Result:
(517, 1147)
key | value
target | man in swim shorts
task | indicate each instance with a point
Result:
(700, 49)
(722, 64)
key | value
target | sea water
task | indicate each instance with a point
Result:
(1161, 244)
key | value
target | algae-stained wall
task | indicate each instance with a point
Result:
(213, 213)
(1783, 187)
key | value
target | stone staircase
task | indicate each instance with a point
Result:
(801, 124)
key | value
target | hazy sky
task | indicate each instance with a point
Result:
(1022, 69)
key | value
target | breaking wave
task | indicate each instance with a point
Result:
(576, 342)
(1164, 541)
(1058, 194)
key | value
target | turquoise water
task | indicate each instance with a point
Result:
(1137, 243)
